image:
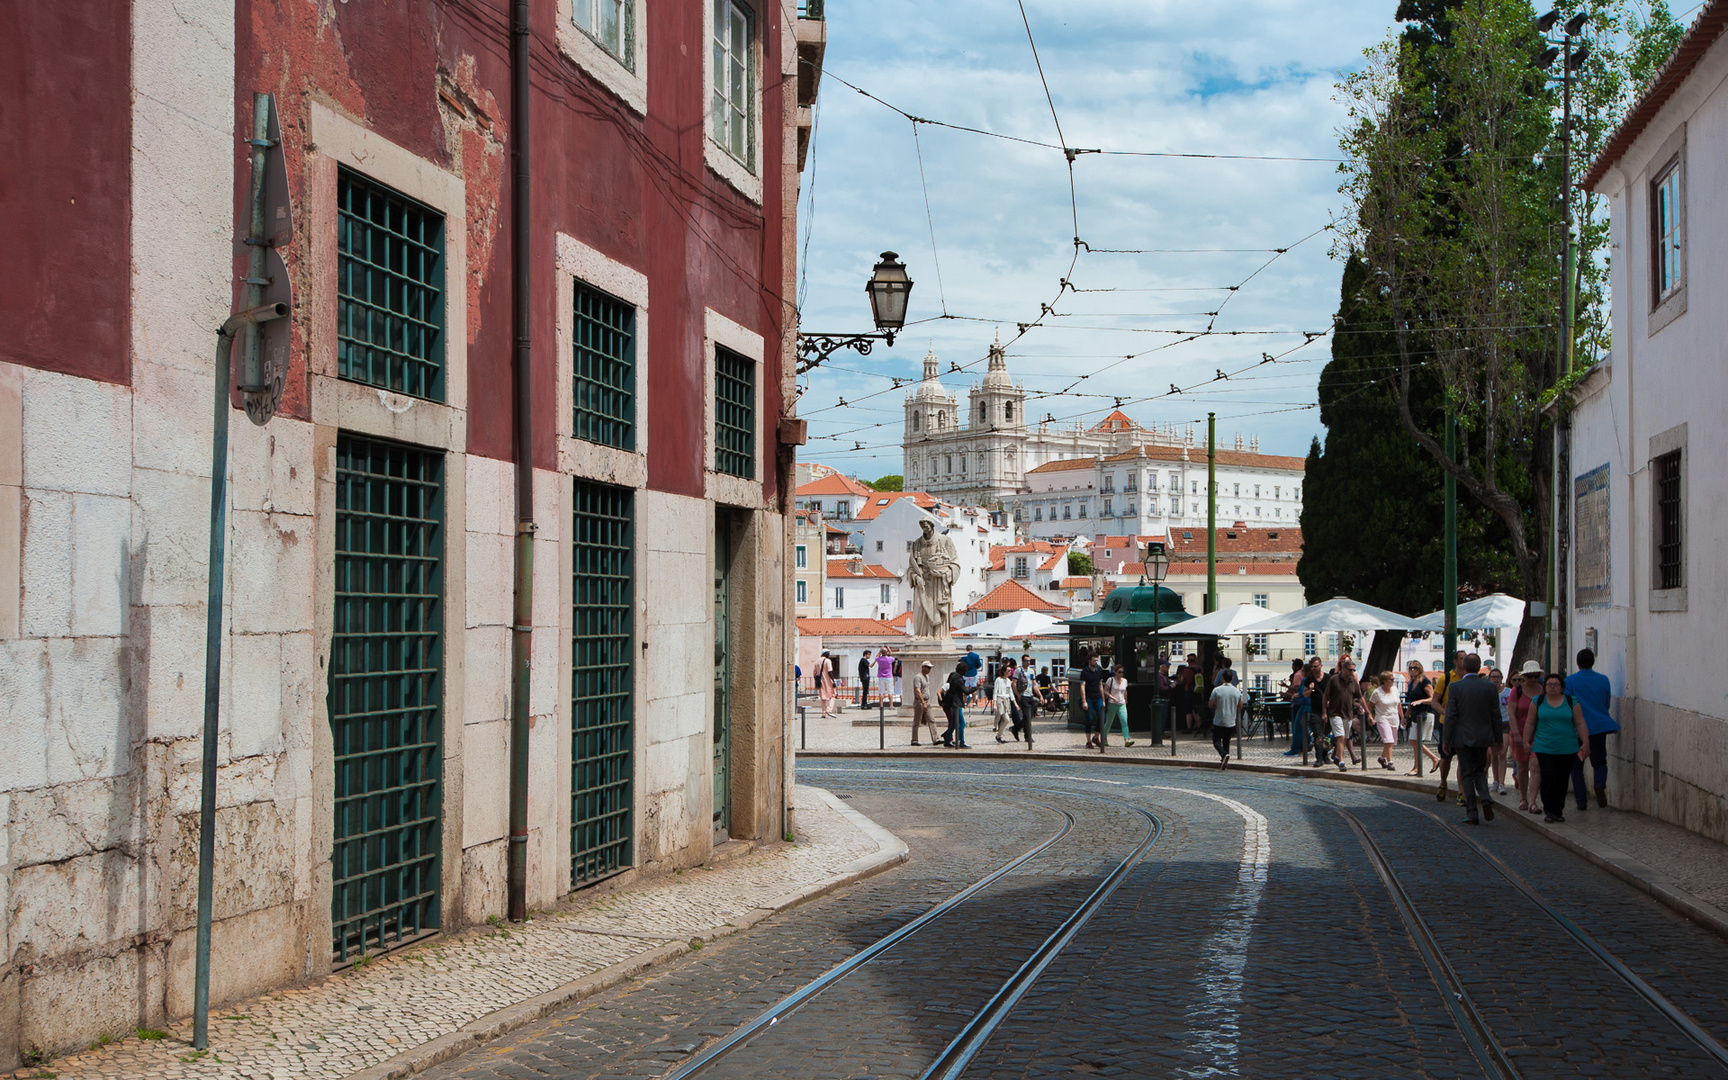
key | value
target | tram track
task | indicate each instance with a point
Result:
(1476, 1030)
(984, 1021)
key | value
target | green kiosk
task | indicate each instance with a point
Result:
(1127, 630)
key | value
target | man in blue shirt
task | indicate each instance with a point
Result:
(974, 664)
(1593, 693)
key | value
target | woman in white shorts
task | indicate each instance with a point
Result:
(1388, 716)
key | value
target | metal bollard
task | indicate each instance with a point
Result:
(881, 725)
(803, 727)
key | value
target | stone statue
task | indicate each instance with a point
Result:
(934, 569)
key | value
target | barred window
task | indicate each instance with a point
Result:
(734, 413)
(389, 289)
(1669, 555)
(603, 369)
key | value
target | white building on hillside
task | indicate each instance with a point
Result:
(1153, 488)
(1646, 588)
(856, 589)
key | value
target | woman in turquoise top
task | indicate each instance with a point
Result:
(1560, 739)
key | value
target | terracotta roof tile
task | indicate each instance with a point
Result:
(837, 484)
(1064, 465)
(1705, 29)
(1012, 596)
(857, 568)
(849, 628)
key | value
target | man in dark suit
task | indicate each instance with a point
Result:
(1472, 726)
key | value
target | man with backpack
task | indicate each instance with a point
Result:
(1026, 706)
(954, 704)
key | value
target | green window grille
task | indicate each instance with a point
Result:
(386, 694)
(602, 690)
(604, 367)
(389, 289)
(734, 413)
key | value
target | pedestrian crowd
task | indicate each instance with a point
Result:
(1542, 728)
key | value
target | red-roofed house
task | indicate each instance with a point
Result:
(1006, 597)
(839, 497)
(860, 590)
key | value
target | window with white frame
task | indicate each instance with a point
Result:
(1666, 217)
(734, 92)
(611, 23)
(839, 597)
(1262, 600)
(803, 557)
(1257, 644)
(803, 592)
(1020, 568)
(1310, 644)
(885, 597)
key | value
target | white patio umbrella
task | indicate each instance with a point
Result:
(1015, 625)
(1496, 611)
(1339, 614)
(1228, 622)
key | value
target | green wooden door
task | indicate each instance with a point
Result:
(722, 675)
(386, 694)
(602, 677)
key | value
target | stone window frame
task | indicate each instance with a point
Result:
(575, 261)
(342, 406)
(802, 592)
(1674, 440)
(1664, 308)
(744, 177)
(626, 79)
(718, 330)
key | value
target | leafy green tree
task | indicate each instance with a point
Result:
(1455, 179)
(889, 483)
(1079, 564)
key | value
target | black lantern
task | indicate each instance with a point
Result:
(1157, 562)
(889, 289)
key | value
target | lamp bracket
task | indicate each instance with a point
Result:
(815, 348)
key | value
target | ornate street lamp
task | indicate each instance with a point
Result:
(1157, 563)
(889, 289)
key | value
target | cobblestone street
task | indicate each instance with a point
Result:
(1256, 937)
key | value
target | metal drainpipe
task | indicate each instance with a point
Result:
(522, 636)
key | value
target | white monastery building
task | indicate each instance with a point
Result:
(1067, 480)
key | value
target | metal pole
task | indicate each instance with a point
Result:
(881, 725)
(1211, 512)
(1449, 578)
(803, 727)
(248, 323)
(1556, 646)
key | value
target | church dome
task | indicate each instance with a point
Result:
(931, 389)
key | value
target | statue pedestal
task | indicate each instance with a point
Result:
(942, 655)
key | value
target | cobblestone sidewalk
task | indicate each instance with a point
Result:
(455, 989)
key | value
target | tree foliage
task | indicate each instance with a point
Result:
(891, 482)
(1454, 174)
(1079, 564)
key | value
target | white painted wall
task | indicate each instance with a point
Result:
(1661, 656)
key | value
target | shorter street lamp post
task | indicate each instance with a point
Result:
(888, 288)
(1157, 564)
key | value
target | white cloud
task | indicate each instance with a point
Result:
(1226, 78)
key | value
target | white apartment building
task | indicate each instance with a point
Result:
(856, 589)
(1646, 588)
(1153, 488)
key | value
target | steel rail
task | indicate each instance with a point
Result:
(959, 1053)
(1676, 1015)
(1477, 1036)
(791, 1002)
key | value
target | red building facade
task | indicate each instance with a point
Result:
(380, 525)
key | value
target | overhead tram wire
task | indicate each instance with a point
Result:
(941, 293)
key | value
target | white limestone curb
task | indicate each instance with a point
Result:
(890, 852)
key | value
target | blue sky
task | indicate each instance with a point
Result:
(1248, 77)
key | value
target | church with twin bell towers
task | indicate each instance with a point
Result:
(980, 455)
